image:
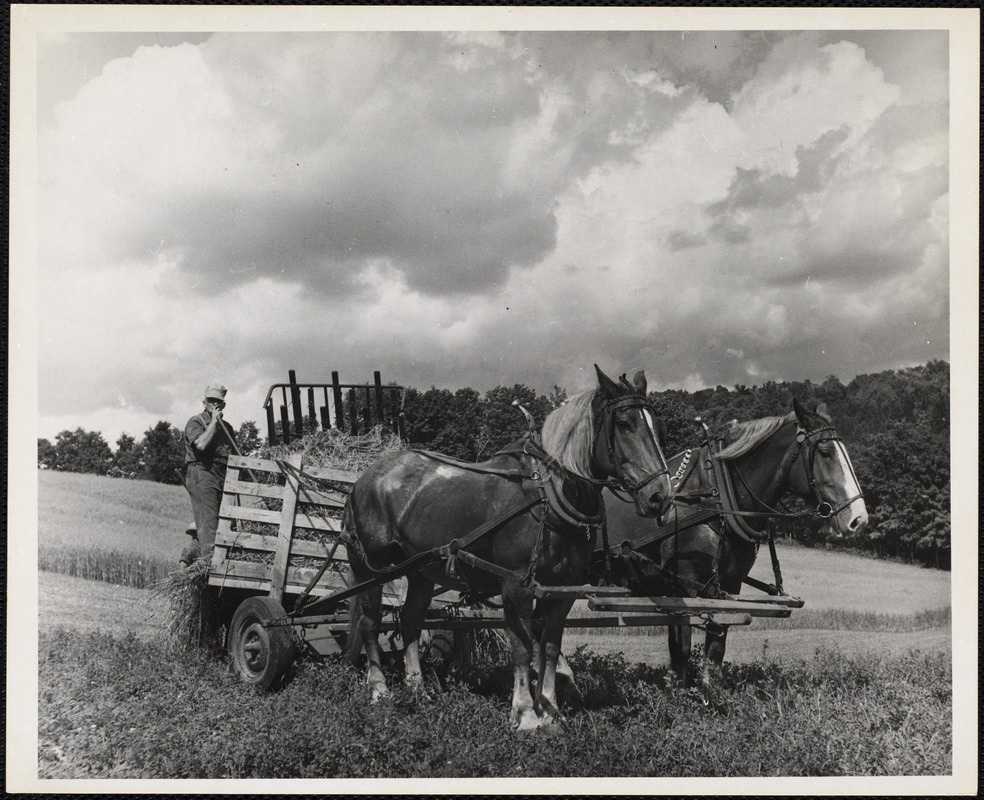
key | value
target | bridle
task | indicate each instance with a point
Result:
(813, 439)
(807, 444)
(620, 482)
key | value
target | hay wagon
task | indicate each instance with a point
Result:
(280, 566)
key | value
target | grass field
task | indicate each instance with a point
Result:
(857, 683)
(97, 513)
(121, 707)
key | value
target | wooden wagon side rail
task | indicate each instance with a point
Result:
(267, 506)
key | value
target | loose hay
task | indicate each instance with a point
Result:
(338, 450)
(194, 616)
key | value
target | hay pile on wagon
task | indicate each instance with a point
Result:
(332, 449)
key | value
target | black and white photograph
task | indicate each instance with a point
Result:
(470, 400)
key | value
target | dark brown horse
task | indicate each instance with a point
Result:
(764, 459)
(530, 513)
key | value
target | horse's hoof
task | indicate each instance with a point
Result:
(527, 722)
(379, 693)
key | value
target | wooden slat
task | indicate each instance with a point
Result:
(653, 620)
(268, 544)
(253, 463)
(329, 474)
(317, 523)
(250, 489)
(224, 525)
(300, 576)
(684, 605)
(788, 602)
(307, 494)
(230, 510)
(268, 517)
(317, 497)
(581, 591)
(279, 575)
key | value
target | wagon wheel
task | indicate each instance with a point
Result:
(261, 655)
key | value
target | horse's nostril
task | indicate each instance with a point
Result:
(856, 524)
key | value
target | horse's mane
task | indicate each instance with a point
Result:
(746, 436)
(568, 434)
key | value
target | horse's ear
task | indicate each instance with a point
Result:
(608, 386)
(823, 411)
(639, 381)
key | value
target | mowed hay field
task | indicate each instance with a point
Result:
(858, 683)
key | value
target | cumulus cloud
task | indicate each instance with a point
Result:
(492, 208)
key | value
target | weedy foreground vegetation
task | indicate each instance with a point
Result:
(125, 708)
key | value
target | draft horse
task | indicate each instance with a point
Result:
(529, 515)
(709, 546)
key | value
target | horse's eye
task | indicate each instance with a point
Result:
(623, 424)
(826, 452)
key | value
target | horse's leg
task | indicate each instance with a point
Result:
(517, 605)
(737, 561)
(678, 637)
(412, 614)
(366, 616)
(554, 613)
(370, 625)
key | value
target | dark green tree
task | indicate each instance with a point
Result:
(248, 438)
(163, 453)
(674, 408)
(47, 455)
(128, 460)
(458, 437)
(82, 451)
(501, 422)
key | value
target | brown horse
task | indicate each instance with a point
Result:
(529, 515)
(765, 458)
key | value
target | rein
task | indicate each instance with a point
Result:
(728, 506)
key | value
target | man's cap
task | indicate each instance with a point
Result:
(215, 391)
(192, 528)
(626, 543)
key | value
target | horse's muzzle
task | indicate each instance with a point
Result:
(651, 502)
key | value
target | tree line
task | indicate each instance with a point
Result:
(895, 425)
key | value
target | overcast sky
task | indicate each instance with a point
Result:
(482, 209)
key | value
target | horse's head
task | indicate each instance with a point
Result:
(823, 472)
(626, 449)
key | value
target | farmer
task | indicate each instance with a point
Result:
(632, 565)
(188, 554)
(208, 440)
